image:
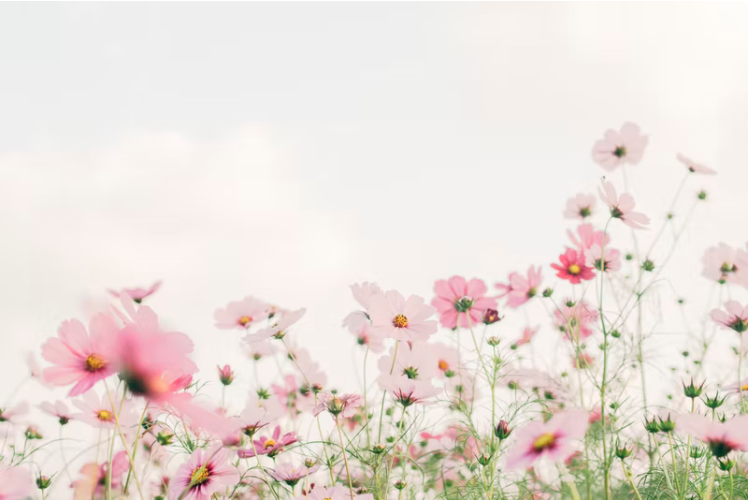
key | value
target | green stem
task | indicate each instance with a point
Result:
(672, 458)
(384, 394)
(630, 480)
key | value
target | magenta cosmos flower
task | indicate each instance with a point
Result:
(138, 294)
(580, 206)
(554, 441)
(622, 207)
(721, 438)
(695, 168)
(394, 317)
(735, 318)
(619, 148)
(205, 473)
(520, 289)
(241, 314)
(573, 267)
(461, 303)
(16, 484)
(81, 359)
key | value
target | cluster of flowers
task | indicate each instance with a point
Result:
(468, 416)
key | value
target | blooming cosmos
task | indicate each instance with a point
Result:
(721, 263)
(345, 405)
(413, 363)
(622, 207)
(394, 317)
(206, 472)
(15, 484)
(619, 148)
(11, 414)
(721, 438)
(287, 472)
(586, 237)
(407, 391)
(580, 206)
(138, 294)
(94, 475)
(735, 318)
(554, 441)
(241, 314)
(270, 446)
(575, 320)
(278, 329)
(58, 409)
(80, 358)
(695, 168)
(98, 412)
(461, 303)
(520, 289)
(603, 259)
(363, 293)
(573, 267)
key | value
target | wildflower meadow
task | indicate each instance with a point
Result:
(459, 407)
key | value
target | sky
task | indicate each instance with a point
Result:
(287, 150)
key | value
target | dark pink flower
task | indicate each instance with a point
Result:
(461, 303)
(270, 446)
(573, 267)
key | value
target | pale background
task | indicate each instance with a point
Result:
(288, 150)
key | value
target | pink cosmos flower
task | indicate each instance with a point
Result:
(11, 414)
(580, 206)
(736, 317)
(461, 389)
(35, 370)
(392, 316)
(520, 289)
(527, 334)
(92, 483)
(721, 438)
(59, 410)
(258, 413)
(573, 267)
(622, 207)
(363, 293)
(278, 329)
(205, 473)
(241, 314)
(98, 412)
(720, 263)
(334, 493)
(414, 363)
(346, 405)
(694, 167)
(611, 262)
(138, 294)
(225, 375)
(575, 320)
(619, 148)
(79, 358)
(16, 484)
(554, 441)
(365, 336)
(288, 473)
(271, 446)
(461, 303)
(445, 358)
(587, 237)
(408, 391)
(258, 350)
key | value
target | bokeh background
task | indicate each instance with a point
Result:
(287, 150)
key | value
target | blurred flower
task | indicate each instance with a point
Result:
(93, 476)
(554, 441)
(408, 391)
(98, 411)
(580, 206)
(225, 375)
(16, 483)
(58, 409)
(138, 294)
(344, 405)
(290, 474)
(241, 314)
(205, 473)
(721, 438)
(619, 148)
(720, 263)
(694, 167)
(520, 289)
(11, 414)
(278, 329)
(527, 334)
(611, 261)
(736, 317)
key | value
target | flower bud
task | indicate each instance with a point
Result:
(648, 265)
(702, 195)
(623, 452)
(667, 425)
(491, 316)
(651, 426)
(164, 438)
(691, 390)
(378, 449)
(225, 375)
(714, 402)
(335, 405)
(484, 460)
(493, 341)
(32, 433)
(43, 482)
(547, 292)
(502, 430)
(400, 485)
(725, 465)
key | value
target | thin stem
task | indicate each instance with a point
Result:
(135, 447)
(630, 480)
(688, 455)
(740, 382)
(672, 458)
(124, 441)
(262, 469)
(345, 456)
(366, 403)
(384, 394)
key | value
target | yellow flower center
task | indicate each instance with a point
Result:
(400, 321)
(544, 441)
(200, 476)
(104, 415)
(245, 320)
(574, 269)
(443, 365)
(744, 388)
(95, 362)
(270, 443)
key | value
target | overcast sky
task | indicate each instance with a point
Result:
(287, 150)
